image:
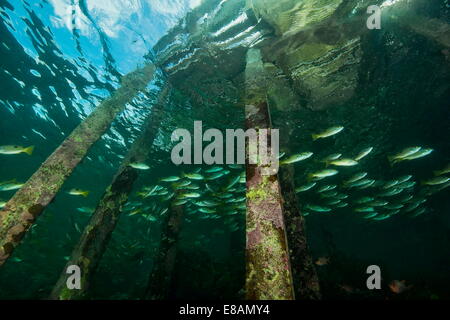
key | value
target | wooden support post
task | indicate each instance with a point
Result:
(161, 278)
(306, 282)
(268, 275)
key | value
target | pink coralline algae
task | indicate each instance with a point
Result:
(254, 238)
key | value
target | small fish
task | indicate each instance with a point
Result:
(193, 176)
(149, 191)
(317, 208)
(322, 261)
(370, 183)
(442, 171)
(207, 210)
(363, 153)
(333, 202)
(189, 195)
(78, 192)
(214, 169)
(181, 184)
(370, 215)
(406, 198)
(323, 174)
(443, 186)
(134, 212)
(420, 154)
(364, 200)
(360, 183)
(193, 187)
(170, 179)
(86, 210)
(332, 157)
(139, 166)
(231, 212)
(394, 206)
(406, 185)
(10, 185)
(328, 133)
(418, 212)
(390, 184)
(209, 188)
(206, 203)
(235, 166)
(342, 205)
(296, 158)
(180, 202)
(214, 176)
(364, 209)
(382, 217)
(225, 196)
(356, 177)
(412, 206)
(391, 192)
(344, 162)
(398, 287)
(403, 154)
(378, 203)
(327, 188)
(232, 182)
(165, 192)
(9, 150)
(436, 181)
(341, 196)
(306, 187)
(404, 178)
(329, 194)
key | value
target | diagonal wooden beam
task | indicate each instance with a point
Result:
(95, 238)
(29, 202)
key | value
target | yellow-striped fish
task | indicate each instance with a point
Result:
(327, 133)
(16, 150)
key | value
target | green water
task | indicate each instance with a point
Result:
(392, 92)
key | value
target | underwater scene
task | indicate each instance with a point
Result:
(224, 149)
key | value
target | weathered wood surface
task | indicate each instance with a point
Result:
(94, 240)
(29, 202)
(268, 275)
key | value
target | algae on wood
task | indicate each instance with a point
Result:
(94, 240)
(30, 201)
(161, 278)
(268, 274)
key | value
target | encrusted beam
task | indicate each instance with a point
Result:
(29, 202)
(94, 240)
(268, 274)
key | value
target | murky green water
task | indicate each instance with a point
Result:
(389, 89)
